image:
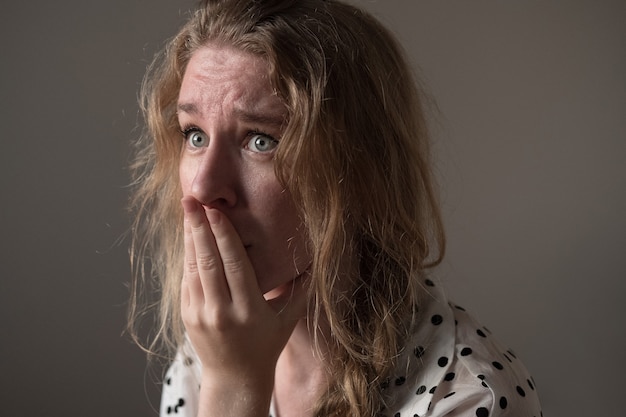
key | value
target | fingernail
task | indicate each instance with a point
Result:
(189, 205)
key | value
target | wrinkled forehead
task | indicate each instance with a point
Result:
(226, 79)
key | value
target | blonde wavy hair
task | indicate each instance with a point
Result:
(354, 155)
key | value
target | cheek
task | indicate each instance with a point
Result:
(186, 175)
(287, 223)
(272, 206)
(273, 202)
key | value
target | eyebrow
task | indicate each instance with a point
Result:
(189, 108)
(264, 119)
(245, 115)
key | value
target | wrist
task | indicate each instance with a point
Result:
(235, 395)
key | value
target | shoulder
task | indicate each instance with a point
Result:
(484, 378)
(453, 366)
(481, 356)
(181, 385)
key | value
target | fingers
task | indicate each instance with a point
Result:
(190, 285)
(204, 275)
(239, 273)
(218, 271)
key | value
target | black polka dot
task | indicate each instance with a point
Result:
(481, 376)
(168, 381)
(530, 384)
(385, 384)
(436, 319)
(497, 365)
(449, 395)
(482, 412)
(481, 333)
(459, 308)
(397, 415)
(419, 351)
(466, 351)
(421, 390)
(443, 361)
(449, 376)
(429, 283)
(181, 402)
(433, 389)
(401, 380)
(520, 391)
(503, 402)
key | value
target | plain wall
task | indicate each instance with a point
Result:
(531, 149)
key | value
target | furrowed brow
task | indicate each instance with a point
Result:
(273, 119)
(263, 119)
(189, 108)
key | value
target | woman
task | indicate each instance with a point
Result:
(286, 209)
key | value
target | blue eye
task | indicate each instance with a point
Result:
(262, 143)
(196, 138)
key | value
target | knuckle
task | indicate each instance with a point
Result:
(233, 265)
(191, 267)
(191, 319)
(206, 262)
(221, 320)
(210, 319)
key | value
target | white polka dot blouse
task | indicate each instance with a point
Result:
(451, 366)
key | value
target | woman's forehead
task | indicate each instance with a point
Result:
(219, 79)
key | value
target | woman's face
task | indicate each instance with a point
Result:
(232, 122)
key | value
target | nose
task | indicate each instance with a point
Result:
(216, 177)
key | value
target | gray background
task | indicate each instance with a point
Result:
(531, 144)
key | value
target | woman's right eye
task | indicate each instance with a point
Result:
(195, 137)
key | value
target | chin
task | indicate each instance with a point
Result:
(268, 287)
(283, 287)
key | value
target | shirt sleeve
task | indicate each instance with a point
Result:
(453, 366)
(484, 379)
(461, 394)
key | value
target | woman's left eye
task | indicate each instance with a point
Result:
(259, 142)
